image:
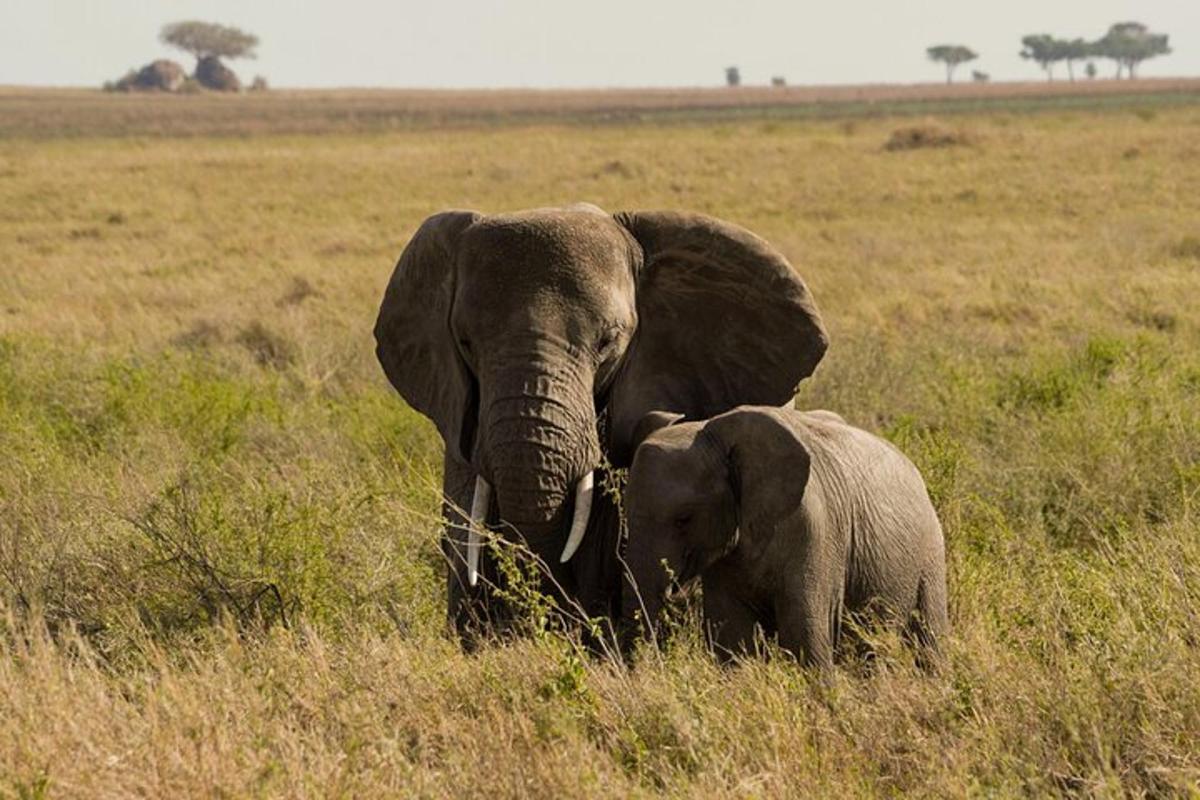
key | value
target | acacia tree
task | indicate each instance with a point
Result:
(951, 55)
(1075, 50)
(209, 40)
(1044, 49)
(1129, 44)
(1047, 51)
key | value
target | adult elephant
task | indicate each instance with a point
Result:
(536, 341)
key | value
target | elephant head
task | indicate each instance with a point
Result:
(698, 489)
(514, 333)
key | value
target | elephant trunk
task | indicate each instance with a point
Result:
(643, 594)
(540, 447)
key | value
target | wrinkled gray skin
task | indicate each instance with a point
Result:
(514, 332)
(792, 521)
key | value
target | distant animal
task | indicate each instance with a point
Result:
(536, 340)
(792, 521)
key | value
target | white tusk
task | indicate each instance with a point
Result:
(479, 508)
(583, 509)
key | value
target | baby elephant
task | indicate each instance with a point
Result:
(791, 520)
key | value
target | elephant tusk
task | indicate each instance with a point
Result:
(583, 509)
(479, 508)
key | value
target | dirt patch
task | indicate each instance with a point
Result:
(619, 169)
(299, 291)
(202, 334)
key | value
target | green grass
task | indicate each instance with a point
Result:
(219, 571)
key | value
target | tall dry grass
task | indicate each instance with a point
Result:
(218, 571)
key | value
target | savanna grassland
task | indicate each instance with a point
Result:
(58, 113)
(218, 562)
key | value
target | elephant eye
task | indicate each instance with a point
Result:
(682, 521)
(607, 339)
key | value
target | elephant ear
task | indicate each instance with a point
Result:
(651, 422)
(723, 320)
(413, 336)
(769, 464)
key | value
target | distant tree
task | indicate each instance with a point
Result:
(1043, 49)
(980, 77)
(1090, 70)
(778, 80)
(1074, 50)
(951, 55)
(733, 76)
(1129, 44)
(209, 43)
(209, 39)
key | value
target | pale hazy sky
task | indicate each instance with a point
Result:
(552, 43)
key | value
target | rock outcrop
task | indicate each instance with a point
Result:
(157, 76)
(212, 74)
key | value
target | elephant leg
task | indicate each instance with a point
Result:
(596, 572)
(808, 625)
(732, 627)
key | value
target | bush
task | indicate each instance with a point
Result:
(1188, 247)
(268, 348)
(930, 134)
